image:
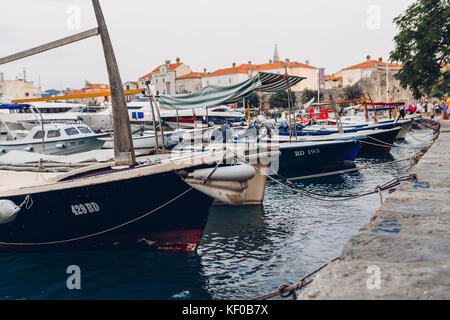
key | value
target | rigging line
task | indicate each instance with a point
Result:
(345, 170)
(285, 290)
(309, 194)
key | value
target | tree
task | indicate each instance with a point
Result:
(353, 92)
(253, 100)
(279, 100)
(422, 45)
(309, 94)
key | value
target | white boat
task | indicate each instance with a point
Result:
(26, 116)
(146, 139)
(141, 117)
(56, 139)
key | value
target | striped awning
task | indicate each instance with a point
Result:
(271, 82)
(215, 95)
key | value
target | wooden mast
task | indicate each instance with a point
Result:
(289, 103)
(374, 108)
(123, 143)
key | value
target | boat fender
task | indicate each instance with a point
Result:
(29, 149)
(8, 211)
(241, 172)
(61, 145)
(2, 151)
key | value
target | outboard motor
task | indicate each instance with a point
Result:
(226, 132)
(312, 122)
(299, 126)
(284, 126)
(270, 128)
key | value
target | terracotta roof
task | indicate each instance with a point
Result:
(148, 75)
(332, 78)
(172, 66)
(234, 70)
(373, 64)
(281, 64)
(75, 91)
(193, 75)
(97, 86)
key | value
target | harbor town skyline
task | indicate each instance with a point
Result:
(203, 37)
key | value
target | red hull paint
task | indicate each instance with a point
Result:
(177, 240)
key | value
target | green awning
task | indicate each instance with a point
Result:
(215, 95)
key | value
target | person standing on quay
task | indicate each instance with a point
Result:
(444, 107)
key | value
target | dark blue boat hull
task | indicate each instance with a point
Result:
(56, 218)
(317, 158)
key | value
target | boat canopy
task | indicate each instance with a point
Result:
(14, 106)
(213, 95)
(15, 157)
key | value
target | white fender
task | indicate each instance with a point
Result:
(8, 211)
(223, 195)
(241, 172)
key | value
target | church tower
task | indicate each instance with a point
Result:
(276, 57)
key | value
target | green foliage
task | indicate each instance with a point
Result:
(253, 100)
(309, 94)
(422, 45)
(442, 87)
(279, 100)
(353, 92)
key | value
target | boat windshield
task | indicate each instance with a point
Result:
(53, 134)
(71, 131)
(84, 130)
(38, 135)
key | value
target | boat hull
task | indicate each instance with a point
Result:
(102, 215)
(62, 147)
(379, 143)
(296, 157)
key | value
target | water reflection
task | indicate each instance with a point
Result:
(244, 252)
(106, 274)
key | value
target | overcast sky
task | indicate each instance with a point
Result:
(203, 33)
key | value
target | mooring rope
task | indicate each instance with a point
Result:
(27, 202)
(290, 186)
(346, 170)
(286, 290)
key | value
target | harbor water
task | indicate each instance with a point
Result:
(244, 251)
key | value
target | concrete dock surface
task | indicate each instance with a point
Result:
(404, 251)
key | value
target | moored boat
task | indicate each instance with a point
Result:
(103, 205)
(316, 156)
(56, 138)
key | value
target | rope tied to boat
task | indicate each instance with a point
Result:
(285, 290)
(95, 233)
(330, 198)
(27, 202)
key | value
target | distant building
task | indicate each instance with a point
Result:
(332, 81)
(190, 82)
(228, 76)
(239, 73)
(52, 93)
(353, 74)
(17, 89)
(164, 76)
(131, 85)
(293, 68)
(91, 88)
